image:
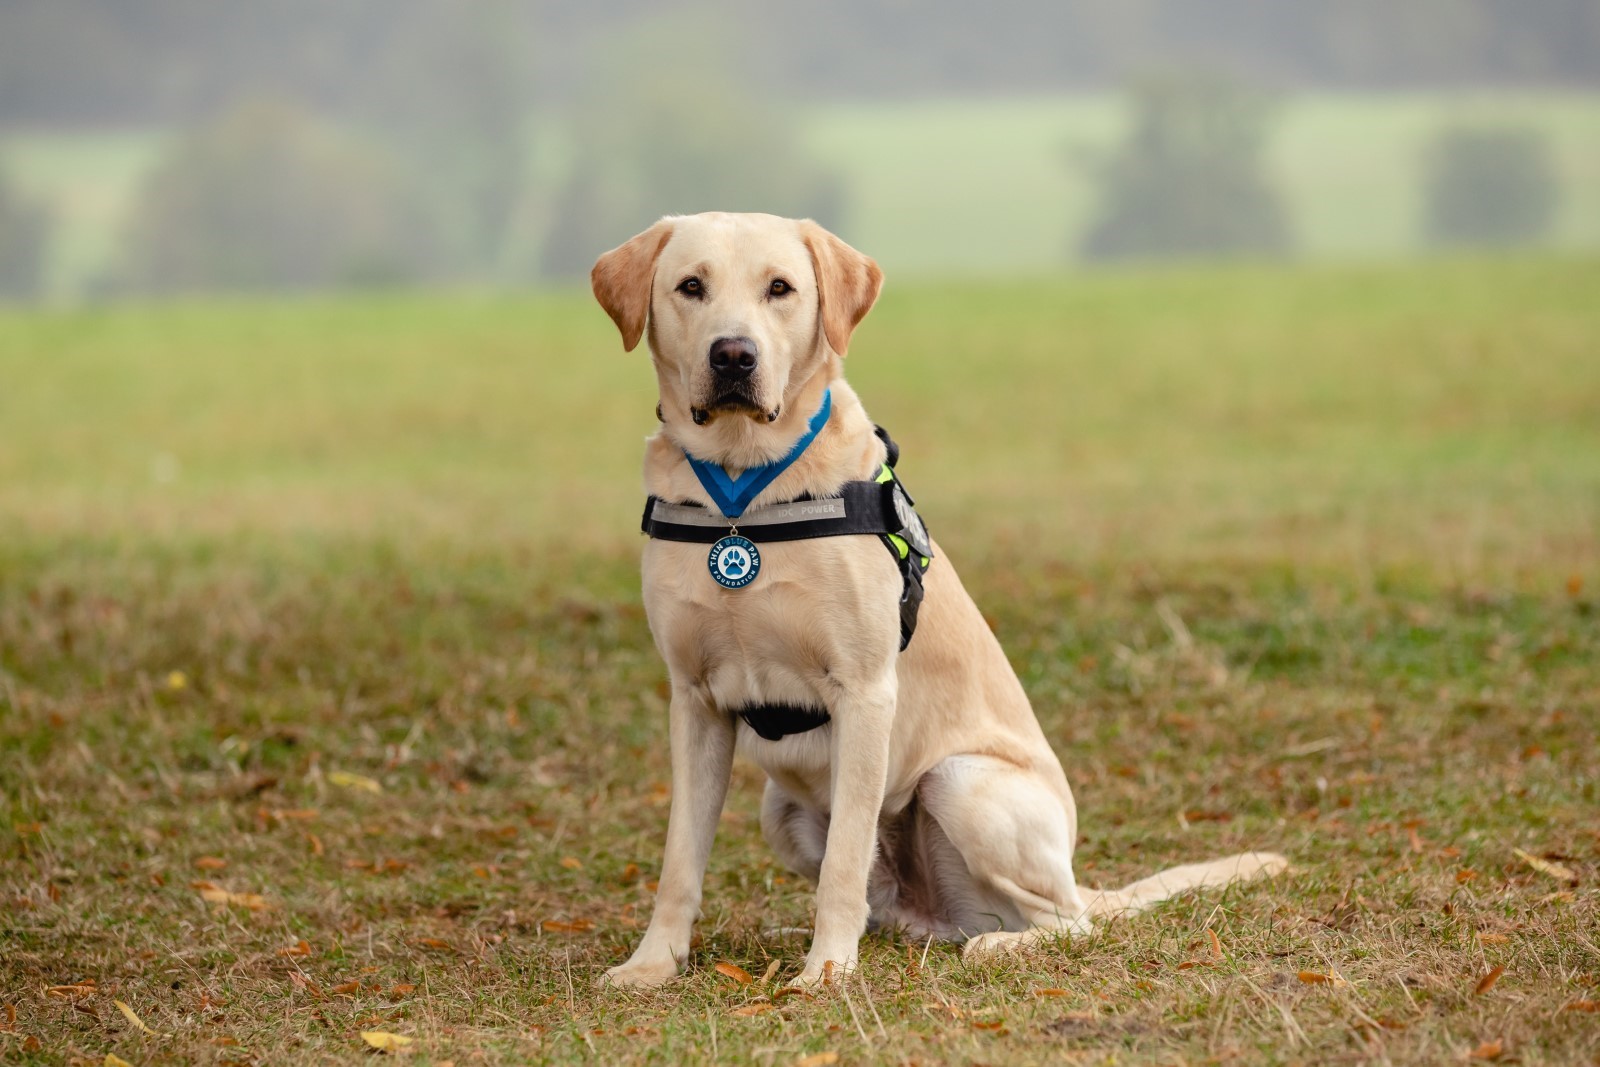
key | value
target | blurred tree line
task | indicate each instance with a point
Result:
(24, 240)
(380, 142)
(1190, 180)
(165, 61)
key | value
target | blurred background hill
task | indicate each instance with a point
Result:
(172, 146)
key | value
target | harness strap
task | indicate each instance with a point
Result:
(880, 507)
(774, 722)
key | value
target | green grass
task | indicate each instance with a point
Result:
(981, 186)
(1302, 560)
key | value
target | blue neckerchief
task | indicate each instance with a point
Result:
(733, 495)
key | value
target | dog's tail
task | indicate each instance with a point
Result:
(1111, 903)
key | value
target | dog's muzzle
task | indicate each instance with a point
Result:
(733, 362)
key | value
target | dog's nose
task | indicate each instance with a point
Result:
(733, 358)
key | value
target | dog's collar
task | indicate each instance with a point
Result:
(879, 507)
(733, 495)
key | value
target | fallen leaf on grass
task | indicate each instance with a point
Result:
(1544, 866)
(1487, 982)
(267, 815)
(1582, 1005)
(210, 863)
(300, 948)
(434, 943)
(571, 863)
(346, 988)
(1216, 942)
(817, 1059)
(254, 901)
(1317, 978)
(1052, 992)
(734, 971)
(576, 926)
(113, 1060)
(402, 990)
(772, 969)
(128, 1014)
(1200, 815)
(305, 983)
(1465, 874)
(753, 1009)
(85, 988)
(384, 1041)
(1493, 939)
(1489, 1050)
(355, 781)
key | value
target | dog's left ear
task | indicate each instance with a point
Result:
(847, 283)
(622, 278)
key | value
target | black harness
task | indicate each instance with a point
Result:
(879, 507)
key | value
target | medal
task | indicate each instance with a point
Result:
(734, 562)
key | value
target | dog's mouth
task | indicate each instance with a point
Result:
(733, 404)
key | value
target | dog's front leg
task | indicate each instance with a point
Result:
(862, 723)
(702, 760)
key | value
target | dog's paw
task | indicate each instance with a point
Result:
(822, 972)
(784, 933)
(991, 945)
(646, 974)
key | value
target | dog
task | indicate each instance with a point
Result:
(909, 782)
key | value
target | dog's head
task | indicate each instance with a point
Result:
(743, 312)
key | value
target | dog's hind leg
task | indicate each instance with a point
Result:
(796, 833)
(1016, 832)
(1111, 903)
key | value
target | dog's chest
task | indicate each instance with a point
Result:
(819, 615)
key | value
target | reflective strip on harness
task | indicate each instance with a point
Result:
(880, 507)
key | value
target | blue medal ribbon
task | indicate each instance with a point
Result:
(733, 495)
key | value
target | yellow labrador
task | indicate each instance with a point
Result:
(928, 799)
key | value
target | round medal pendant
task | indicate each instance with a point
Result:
(734, 562)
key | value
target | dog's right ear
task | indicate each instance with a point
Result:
(622, 278)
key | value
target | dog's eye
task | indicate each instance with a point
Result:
(691, 287)
(779, 287)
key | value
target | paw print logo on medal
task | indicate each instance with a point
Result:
(734, 562)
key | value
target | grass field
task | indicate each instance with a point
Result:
(1004, 181)
(328, 611)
